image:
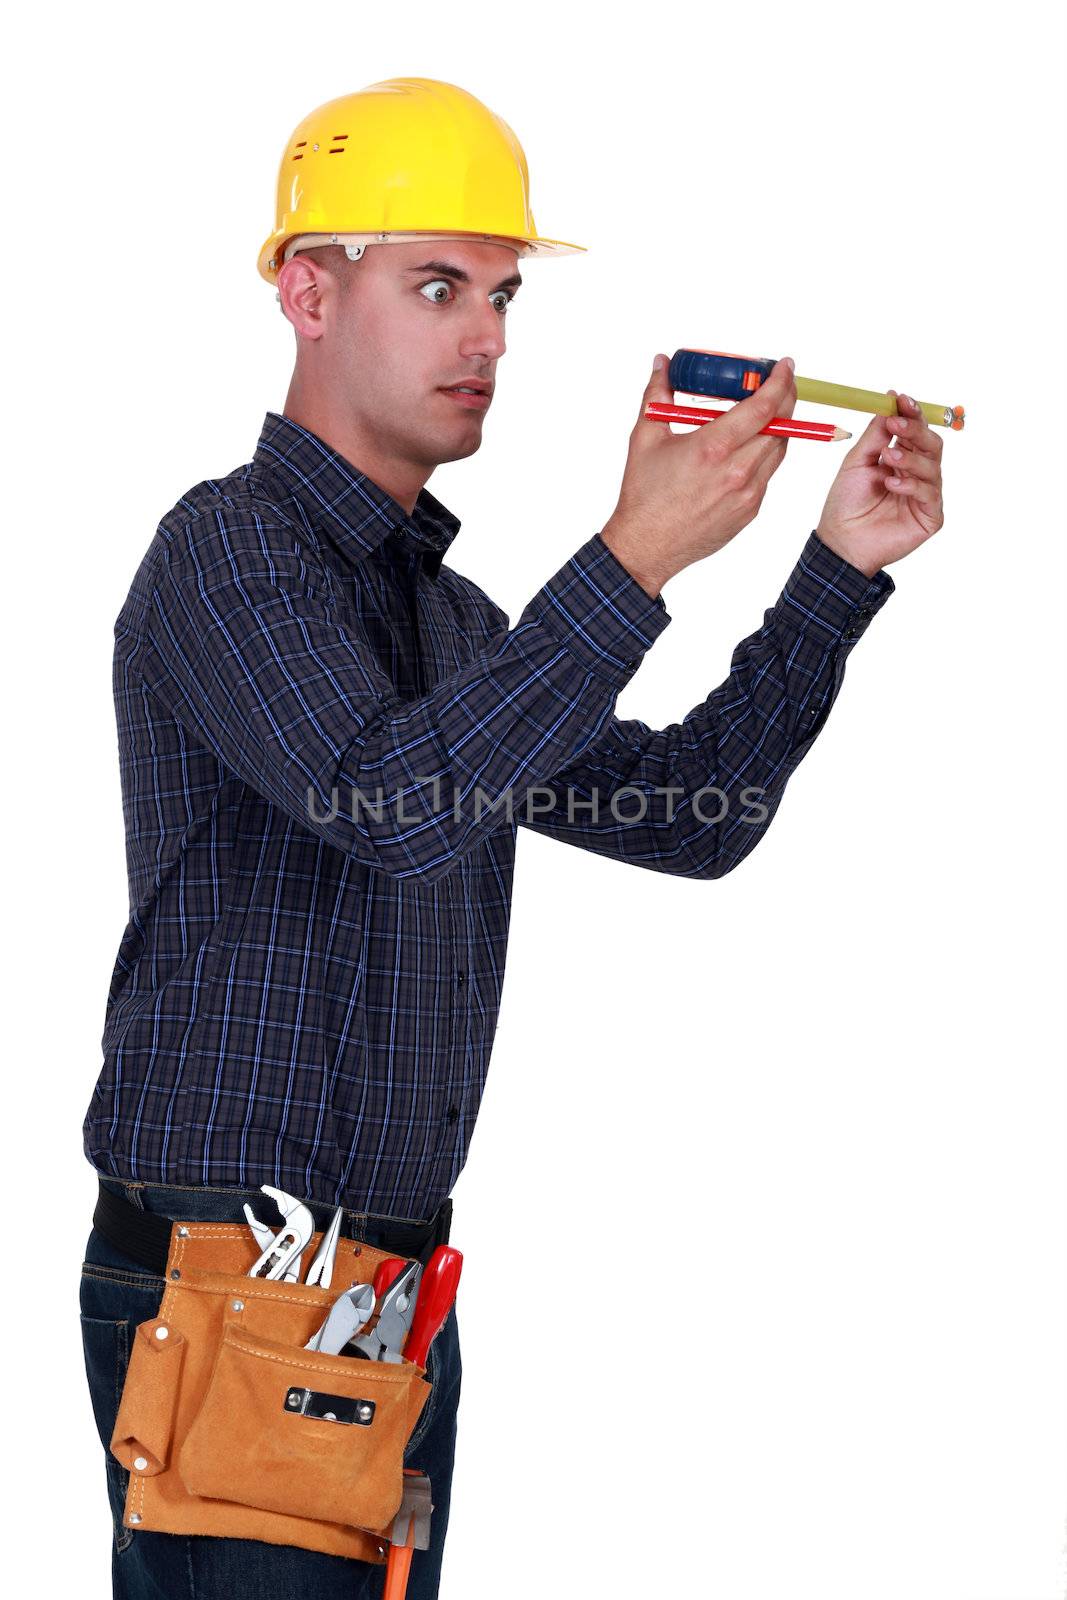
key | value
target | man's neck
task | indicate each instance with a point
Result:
(401, 479)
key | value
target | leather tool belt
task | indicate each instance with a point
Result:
(229, 1426)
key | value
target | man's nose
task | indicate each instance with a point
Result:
(485, 334)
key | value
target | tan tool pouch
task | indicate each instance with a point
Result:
(228, 1426)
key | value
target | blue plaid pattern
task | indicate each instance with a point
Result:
(327, 742)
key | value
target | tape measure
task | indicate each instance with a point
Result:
(728, 376)
(717, 372)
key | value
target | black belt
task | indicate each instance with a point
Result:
(144, 1236)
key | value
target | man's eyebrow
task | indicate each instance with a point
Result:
(444, 269)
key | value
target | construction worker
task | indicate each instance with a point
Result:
(328, 738)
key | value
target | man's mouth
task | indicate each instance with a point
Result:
(469, 395)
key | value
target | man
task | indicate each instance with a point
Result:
(329, 737)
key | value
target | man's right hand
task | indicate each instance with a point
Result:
(684, 496)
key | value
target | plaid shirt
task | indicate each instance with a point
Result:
(327, 742)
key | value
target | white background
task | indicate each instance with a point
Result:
(764, 1214)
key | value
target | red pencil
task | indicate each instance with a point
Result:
(780, 427)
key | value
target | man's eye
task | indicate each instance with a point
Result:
(501, 296)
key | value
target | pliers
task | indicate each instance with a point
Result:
(385, 1341)
(281, 1253)
(345, 1318)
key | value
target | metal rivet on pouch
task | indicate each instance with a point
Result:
(135, 1516)
(329, 1416)
(238, 1305)
(161, 1333)
(183, 1233)
(175, 1273)
(365, 1412)
(140, 1463)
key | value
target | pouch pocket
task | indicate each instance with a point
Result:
(144, 1426)
(304, 1434)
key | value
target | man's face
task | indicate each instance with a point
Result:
(407, 330)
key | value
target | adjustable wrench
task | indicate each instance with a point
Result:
(282, 1253)
(264, 1237)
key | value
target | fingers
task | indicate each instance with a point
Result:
(775, 397)
(871, 443)
(923, 493)
(914, 461)
(904, 478)
(758, 459)
(767, 465)
(658, 388)
(912, 429)
(918, 465)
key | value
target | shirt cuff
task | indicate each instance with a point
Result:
(827, 596)
(597, 609)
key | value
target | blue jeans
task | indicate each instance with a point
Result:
(116, 1294)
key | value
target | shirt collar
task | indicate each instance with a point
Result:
(356, 513)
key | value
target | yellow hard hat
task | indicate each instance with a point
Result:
(405, 158)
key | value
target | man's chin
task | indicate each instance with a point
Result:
(460, 449)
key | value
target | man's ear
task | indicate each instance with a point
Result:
(303, 288)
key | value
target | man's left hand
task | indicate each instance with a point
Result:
(869, 519)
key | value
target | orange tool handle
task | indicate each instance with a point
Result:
(397, 1568)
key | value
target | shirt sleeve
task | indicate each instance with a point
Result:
(248, 649)
(695, 798)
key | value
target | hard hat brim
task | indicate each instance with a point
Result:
(271, 254)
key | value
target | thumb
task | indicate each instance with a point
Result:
(872, 441)
(658, 388)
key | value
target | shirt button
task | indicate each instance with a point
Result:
(453, 1113)
(461, 978)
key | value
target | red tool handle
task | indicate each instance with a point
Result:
(437, 1291)
(387, 1274)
